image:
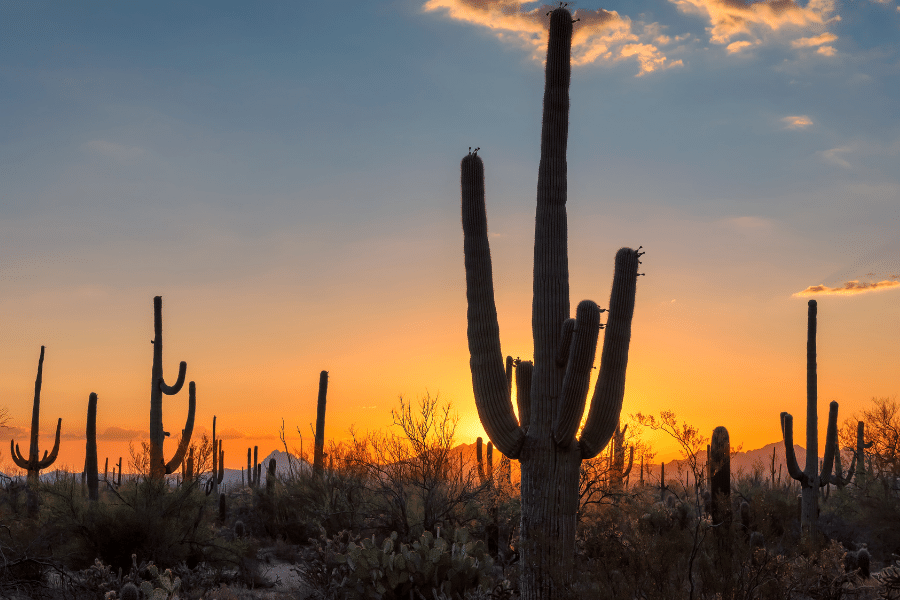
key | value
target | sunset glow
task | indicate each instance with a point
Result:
(287, 179)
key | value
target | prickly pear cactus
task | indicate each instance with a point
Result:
(164, 586)
(428, 566)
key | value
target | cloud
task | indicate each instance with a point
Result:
(833, 156)
(599, 36)
(796, 122)
(810, 42)
(735, 47)
(729, 19)
(119, 433)
(848, 289)
(826, 51)
(230, 434)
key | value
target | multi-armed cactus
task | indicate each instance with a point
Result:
(544, 437)
(33, 464)
(319, 450)
(619, 471)
(811, 479)
(159, 468)
(218, 462)
(720, 475)
(90, 455)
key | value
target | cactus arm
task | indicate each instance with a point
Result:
(565, 342)
(787, 430)
(523, 392)
(186, 432)
(577, 379)
(509, 373)
(16, 455)
(606, 403)
(171, 390)
(492, 394)
(831, 445)
(49, 459)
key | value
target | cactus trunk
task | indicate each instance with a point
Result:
(90, 455)
(319, 450)
(720, 475)
(543, 439)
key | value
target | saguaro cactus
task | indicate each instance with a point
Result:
(720, 474)
(543, 440)
(218, 462)
(319, 449)
(619, 471)
(159, 468)
(810, 479)
(33, 464)
(90, 455)
(860, 454)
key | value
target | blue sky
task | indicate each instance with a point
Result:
(286, 175)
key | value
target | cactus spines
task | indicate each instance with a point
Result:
(158, 386)
(90, 455)
(720, 474)
(810, 479)
(33, 464)
(319, 449)
(549, 453)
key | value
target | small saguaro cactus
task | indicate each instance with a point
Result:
(860, 455)
(119, 476)
(90, 455)
(544, 438)
(811, 479)
(270, 477)
(159, 468)
(720, 475)
(619, 471)
(319, 448)
(216, 449)
(33, 464)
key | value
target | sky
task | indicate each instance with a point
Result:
(286, 176)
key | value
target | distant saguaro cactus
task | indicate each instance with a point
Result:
(159, 468)
(810, 479)
(860, 454)
(720, 475)
(33, 464)
(543, 440)
(270, 477)
(90, 455)
(319, 449)
(619, 471)
(218, 458)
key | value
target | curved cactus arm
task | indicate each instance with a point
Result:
(492, 394)
(565, 342)
(577, 379)
(523, 392)
(171, 390)
(17, 457)
(173, 464)
(831, 445)
(49, 459)
(787, 431)
(606, 403)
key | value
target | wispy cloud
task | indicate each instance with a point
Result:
(119, 433)
(599, 36)
(850, 288)
(796, 122)
(759, 21)
(833, 156)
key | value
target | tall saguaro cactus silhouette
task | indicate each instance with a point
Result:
(90, 454)
(811, 479)
(159, 468)
(319, 448)
(544, 437)
(33, 465)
